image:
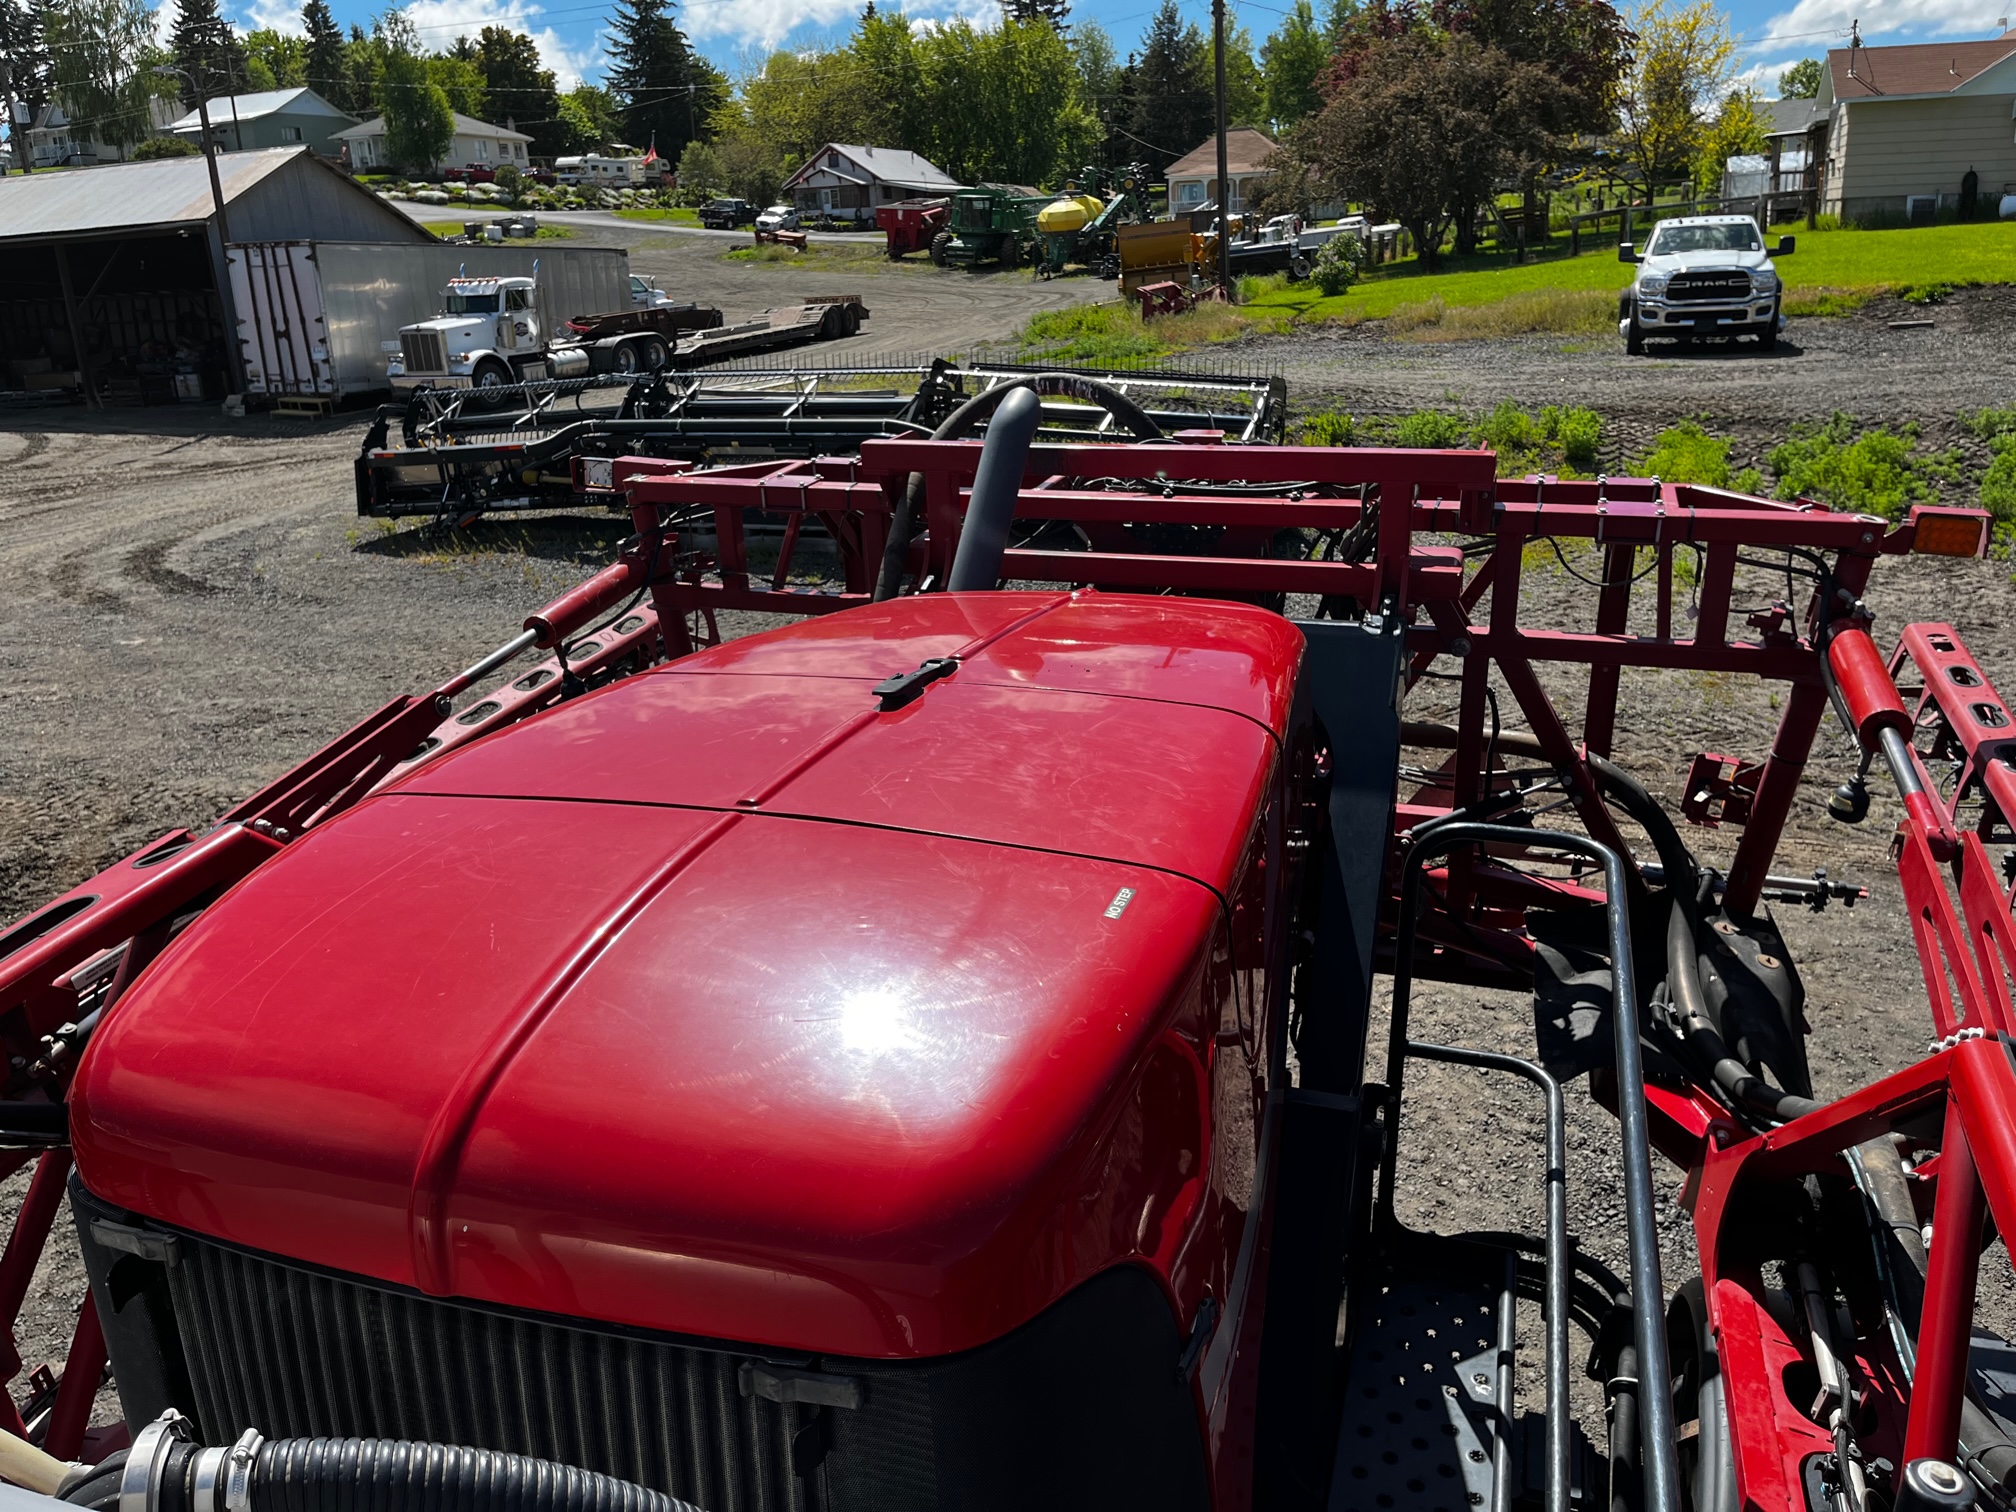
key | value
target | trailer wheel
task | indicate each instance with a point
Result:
(1298, 267)
(624, 359)
(652, 353)
(938, 245)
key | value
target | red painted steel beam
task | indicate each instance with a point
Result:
(1945, 1327)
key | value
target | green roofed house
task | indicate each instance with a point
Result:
(269, 118)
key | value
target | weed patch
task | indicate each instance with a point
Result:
(1686, 453)
(1557, 440)
(1877, 471)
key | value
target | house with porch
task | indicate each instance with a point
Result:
(847, 182)
(1193, 178)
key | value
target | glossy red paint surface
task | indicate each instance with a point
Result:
(721, 1002)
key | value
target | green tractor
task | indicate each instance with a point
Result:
(990, 223)
(1077, 226)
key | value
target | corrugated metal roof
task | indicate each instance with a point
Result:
(171, 191)
(264, 102)
(464, 126)
(890, 165)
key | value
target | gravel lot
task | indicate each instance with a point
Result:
(192, 606)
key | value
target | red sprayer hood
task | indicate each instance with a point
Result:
(721, 1001)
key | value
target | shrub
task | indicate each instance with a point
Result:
(1688, 454)
(1337, 265)
(1437, 429)
(1871, 471)
(509, 178)
(163, 147)
(1330, 428)
(1578, 432)
(1998, 484)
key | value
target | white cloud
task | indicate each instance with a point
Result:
(279, 15)
(764, 24)
(1824, 23)
(440, 22)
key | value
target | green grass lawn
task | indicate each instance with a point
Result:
(677, 216)
(1861, 261)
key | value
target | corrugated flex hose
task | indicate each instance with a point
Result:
(367, 1475)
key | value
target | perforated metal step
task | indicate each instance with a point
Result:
(1430, 1356)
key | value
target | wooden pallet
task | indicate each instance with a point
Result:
(306, 406)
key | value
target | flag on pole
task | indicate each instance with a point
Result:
(652, 155)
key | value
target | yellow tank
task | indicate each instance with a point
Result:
(1069, 212)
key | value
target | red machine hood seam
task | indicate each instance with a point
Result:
(441, 1150)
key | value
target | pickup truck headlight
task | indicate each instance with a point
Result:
(1763, 281)
(1652, 285)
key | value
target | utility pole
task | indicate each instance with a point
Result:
(17, 129)
(233, 367)
(1224, 176)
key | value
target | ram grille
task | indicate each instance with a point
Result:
(423, 351)
(1685, 288)
(297, 1354)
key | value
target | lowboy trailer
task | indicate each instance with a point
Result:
(921, 1056)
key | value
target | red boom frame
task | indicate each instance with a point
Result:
(1386, 521)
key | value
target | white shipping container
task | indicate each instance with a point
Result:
(314, 317)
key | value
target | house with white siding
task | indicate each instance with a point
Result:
(1899, 129)
(477, 144)
(847, 182)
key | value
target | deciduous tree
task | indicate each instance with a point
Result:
(1424, 129)
(1801, 81)
(419, 122)
(274, 60)
(1291, 62)
(1738, 128)
(1683, 64)
(103, 54)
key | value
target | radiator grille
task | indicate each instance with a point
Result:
(423, 351)
(1683, 287)
(297, 1354)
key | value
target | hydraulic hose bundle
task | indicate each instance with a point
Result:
(167, 1471)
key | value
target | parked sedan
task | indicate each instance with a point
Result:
(778, 218)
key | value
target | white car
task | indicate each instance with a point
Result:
(778, 218)
(1704, 275)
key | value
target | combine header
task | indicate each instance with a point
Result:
(923, 1055)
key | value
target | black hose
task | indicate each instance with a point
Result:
(392, 1475)
(903, 524)
(1742, 1090)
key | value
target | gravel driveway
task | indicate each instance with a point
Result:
(192, 606)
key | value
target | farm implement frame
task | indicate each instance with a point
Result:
(440, 455)
(1825, 1357)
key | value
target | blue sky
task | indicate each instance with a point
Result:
(735, 32)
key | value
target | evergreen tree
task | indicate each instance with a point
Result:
(207, 50)
(652, 72)
(1056, 12)
(519, 89)
(24, 65)
(1173, 110)
(323, 69)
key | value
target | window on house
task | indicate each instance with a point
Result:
(290, 133)
(1190, 194)
(483, 151)
(833, 161)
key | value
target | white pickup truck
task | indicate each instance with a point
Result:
(1704, 275)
